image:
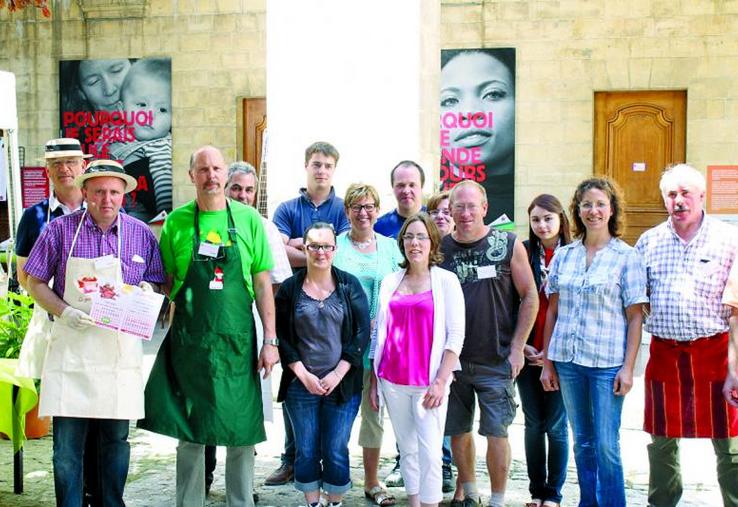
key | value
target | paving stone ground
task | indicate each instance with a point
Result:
(151, 474)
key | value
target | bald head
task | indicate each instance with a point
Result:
(208, 173)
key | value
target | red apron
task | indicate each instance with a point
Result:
(684, 382)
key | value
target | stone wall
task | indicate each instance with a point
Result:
(568, 49)
(218, 56)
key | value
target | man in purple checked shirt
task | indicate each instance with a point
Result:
(92, 372)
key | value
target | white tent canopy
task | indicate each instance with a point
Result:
(9, 127)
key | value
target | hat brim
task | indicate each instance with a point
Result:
(61, 154)
(131, 183)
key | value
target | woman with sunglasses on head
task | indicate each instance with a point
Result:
(545, 416)
(369, 257)
(596, 289)
(419, 336)
(323, 329)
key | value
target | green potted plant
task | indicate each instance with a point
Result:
(15, 314)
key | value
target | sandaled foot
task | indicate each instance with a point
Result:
(380, 496)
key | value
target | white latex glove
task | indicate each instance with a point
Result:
(76, 318)
(145, 286)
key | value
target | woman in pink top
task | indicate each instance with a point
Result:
(419, 336)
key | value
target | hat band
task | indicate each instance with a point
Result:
(99, 168)
(63, 147)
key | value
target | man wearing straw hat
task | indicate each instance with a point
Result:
(64, 162)
(92, 373)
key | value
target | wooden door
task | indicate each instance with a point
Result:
(254, 125)
(636, 135)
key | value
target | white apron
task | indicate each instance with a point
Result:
(94, 372)
(36, 341)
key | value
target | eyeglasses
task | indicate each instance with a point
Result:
(411, 237)
(588, 206)
(445, 212)
(471, 208)
(69, 162)
(356, 208)
(315, 247)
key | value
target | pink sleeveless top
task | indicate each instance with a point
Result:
(406, 354)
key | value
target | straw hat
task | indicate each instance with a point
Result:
(63, 147)
(100, 168)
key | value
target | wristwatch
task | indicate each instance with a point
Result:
(272, 341)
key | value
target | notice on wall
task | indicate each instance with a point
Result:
(121, 109)
(126, 308)
(478, 125)
(722, 192)
(34, 185)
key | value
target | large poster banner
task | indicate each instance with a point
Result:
(121, 109)
(478, 124)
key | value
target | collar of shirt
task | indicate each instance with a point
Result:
(304, 195)
(55, 203)
(91, 224)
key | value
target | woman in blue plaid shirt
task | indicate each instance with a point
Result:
(596, 289)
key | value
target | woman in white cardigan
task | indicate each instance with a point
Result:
(418, 339)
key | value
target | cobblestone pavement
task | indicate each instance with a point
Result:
(151, 474)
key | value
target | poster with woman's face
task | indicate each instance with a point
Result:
(478, 124)
(121, 109)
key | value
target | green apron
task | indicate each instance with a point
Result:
(204, 386)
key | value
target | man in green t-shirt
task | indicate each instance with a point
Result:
(204, 386)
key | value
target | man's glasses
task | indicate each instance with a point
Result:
(315, 247)
(356, 208)
(69, 162)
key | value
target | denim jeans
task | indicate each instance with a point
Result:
(113, 450)
(288, 456)
(322, 428)
(545, 417)
(594, 413)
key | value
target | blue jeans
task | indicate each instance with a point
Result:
(113, 455)
(322, 428)
(594, 413)
(545, 416)
(288, 456)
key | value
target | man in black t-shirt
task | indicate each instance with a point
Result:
(501, 305)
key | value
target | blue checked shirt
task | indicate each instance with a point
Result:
(686, 281)
(591, 327)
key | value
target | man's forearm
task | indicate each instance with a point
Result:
(265, 302)
(296, 256)
(47, 298)
(526, 318)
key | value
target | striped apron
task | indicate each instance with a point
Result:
(684, 382)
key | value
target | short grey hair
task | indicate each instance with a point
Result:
(240, 167)
(681, 174)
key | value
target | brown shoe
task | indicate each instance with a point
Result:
(282, 475)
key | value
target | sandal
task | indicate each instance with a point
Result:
(380, 496)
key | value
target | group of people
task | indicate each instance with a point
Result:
(424, 312)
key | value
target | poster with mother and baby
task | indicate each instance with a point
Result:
(121, 109)
(478, 124)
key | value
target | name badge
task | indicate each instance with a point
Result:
(216, 285)
(208, 249)
(486, 272)
(104, 262)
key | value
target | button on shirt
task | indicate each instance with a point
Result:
(686, 280)
(591, 327)
(140, 257)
